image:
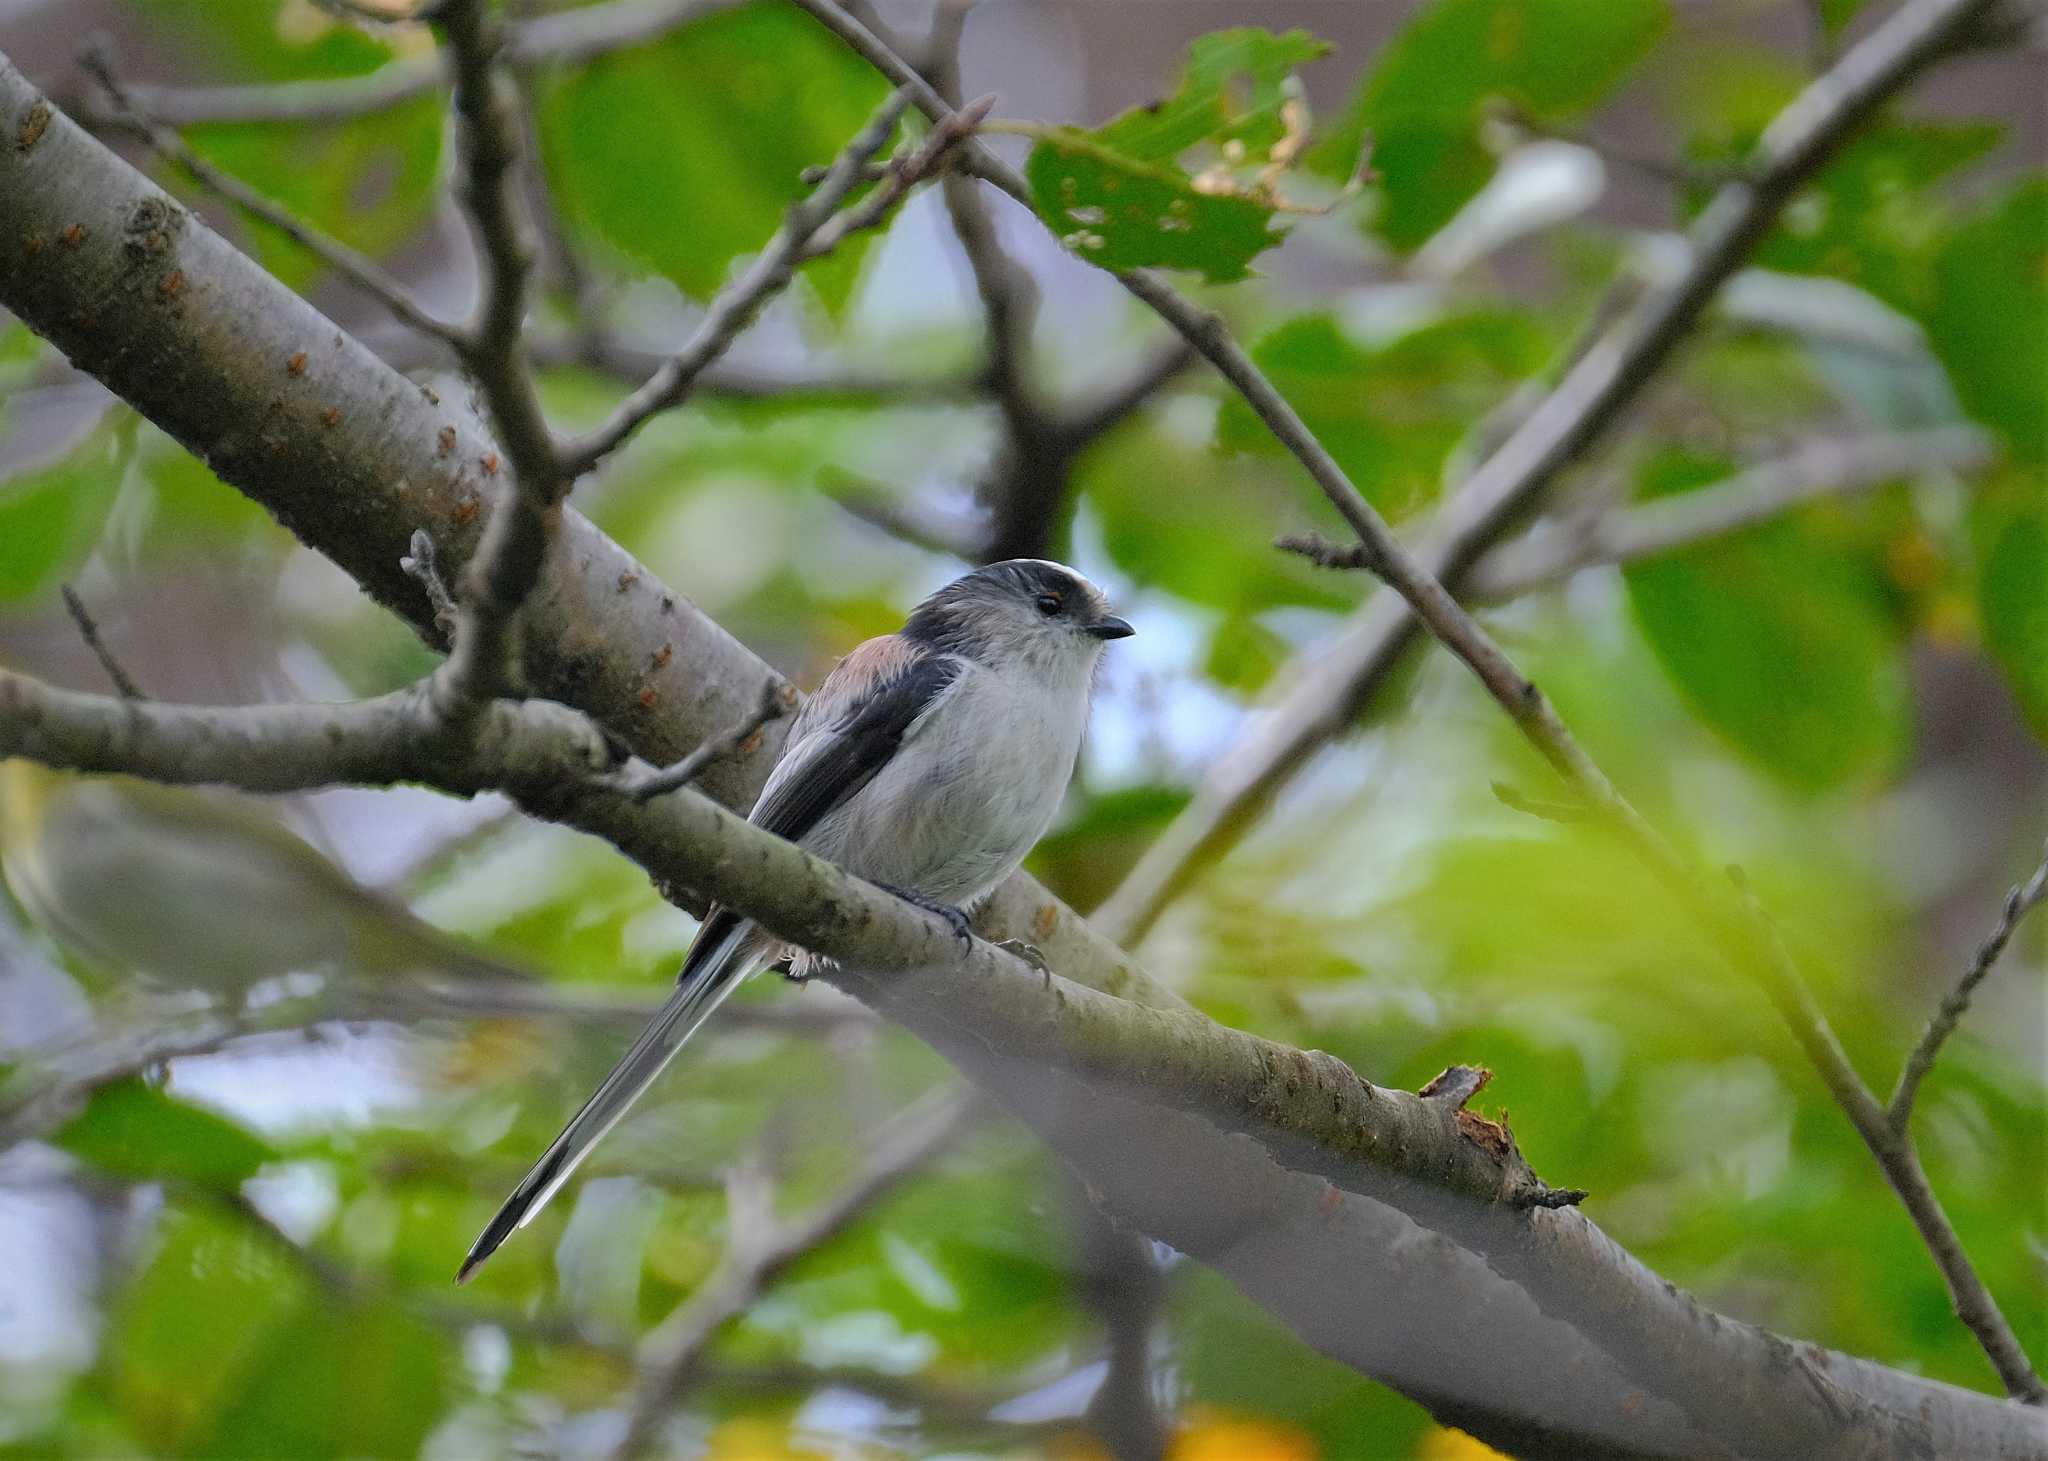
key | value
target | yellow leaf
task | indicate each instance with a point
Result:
(1445, 1444)
(1214, 1436)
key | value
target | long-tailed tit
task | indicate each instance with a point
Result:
(928, 762)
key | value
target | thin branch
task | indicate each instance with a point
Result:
(1793, 146)
(351, 264)
(777, 699)
(1085, 424)
(2021, 899)
(810, 230)
(1331, 687)
(549, 40)
(760, 1248)
(876, 505)
(507, 563)
(1818, 470)
(89, 631)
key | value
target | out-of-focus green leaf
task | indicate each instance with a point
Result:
(134, 1130)
(335, 1378)
(368, 182)
(1119, 196)
(1990, 322)
(1422, 100)
(1390, 415)
(1084, 860)
(194, 1323)
(2010, 526)
(1177, 516)
(50, 518)
(1785, 642)
(1869, 219)
(685, 154)
(190, 509)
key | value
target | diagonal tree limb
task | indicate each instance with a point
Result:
(1792, 147)
(1090, 1072)
(1327, 690)
(206, 364)
(1817, 470)
(358, 268)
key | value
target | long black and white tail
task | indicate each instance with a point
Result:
(718, 961)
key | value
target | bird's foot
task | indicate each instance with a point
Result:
(1029, 954)
(955, 919)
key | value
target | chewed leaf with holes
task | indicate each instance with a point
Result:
(1122, 196)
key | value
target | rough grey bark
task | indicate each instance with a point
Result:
(1281, 1169)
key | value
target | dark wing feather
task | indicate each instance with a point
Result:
(849, 752)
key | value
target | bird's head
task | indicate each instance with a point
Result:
(1022, 612)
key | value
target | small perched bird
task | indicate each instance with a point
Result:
(928, 762)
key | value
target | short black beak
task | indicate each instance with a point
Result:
(1111, 627)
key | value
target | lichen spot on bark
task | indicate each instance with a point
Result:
(34, 123)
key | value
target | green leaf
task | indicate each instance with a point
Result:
(1784, 639)
(221, 1347)
(1232, 89)
(335, 1379)
(1422, 101)
(1873, 218)
(51, 518)
(1177, 516)
(1119, 195)
(1989, 323)
(1391, 415)
(369, 182)
(2009, 523)
(196, 1317)
(1123, 214)
(133, 1130)
(686, 153)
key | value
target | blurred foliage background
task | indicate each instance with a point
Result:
(247, 1251)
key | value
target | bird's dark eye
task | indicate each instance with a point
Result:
(1048, 604)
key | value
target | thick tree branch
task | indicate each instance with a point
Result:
(1791, 149)
(1534, 1325)
(355, 459)
(1102, 1063)
(2019, 901)
(358, 268)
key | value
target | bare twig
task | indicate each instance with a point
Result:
(1329, 688)
(423, 566)
(874, 504)
(351, 264)
(1568, 421)
(760, 1248)
(1821, 469)
(89, 631)
(507, 563)
(777, 698)
(810, 230)
(2022, 898)
(1320, 551)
